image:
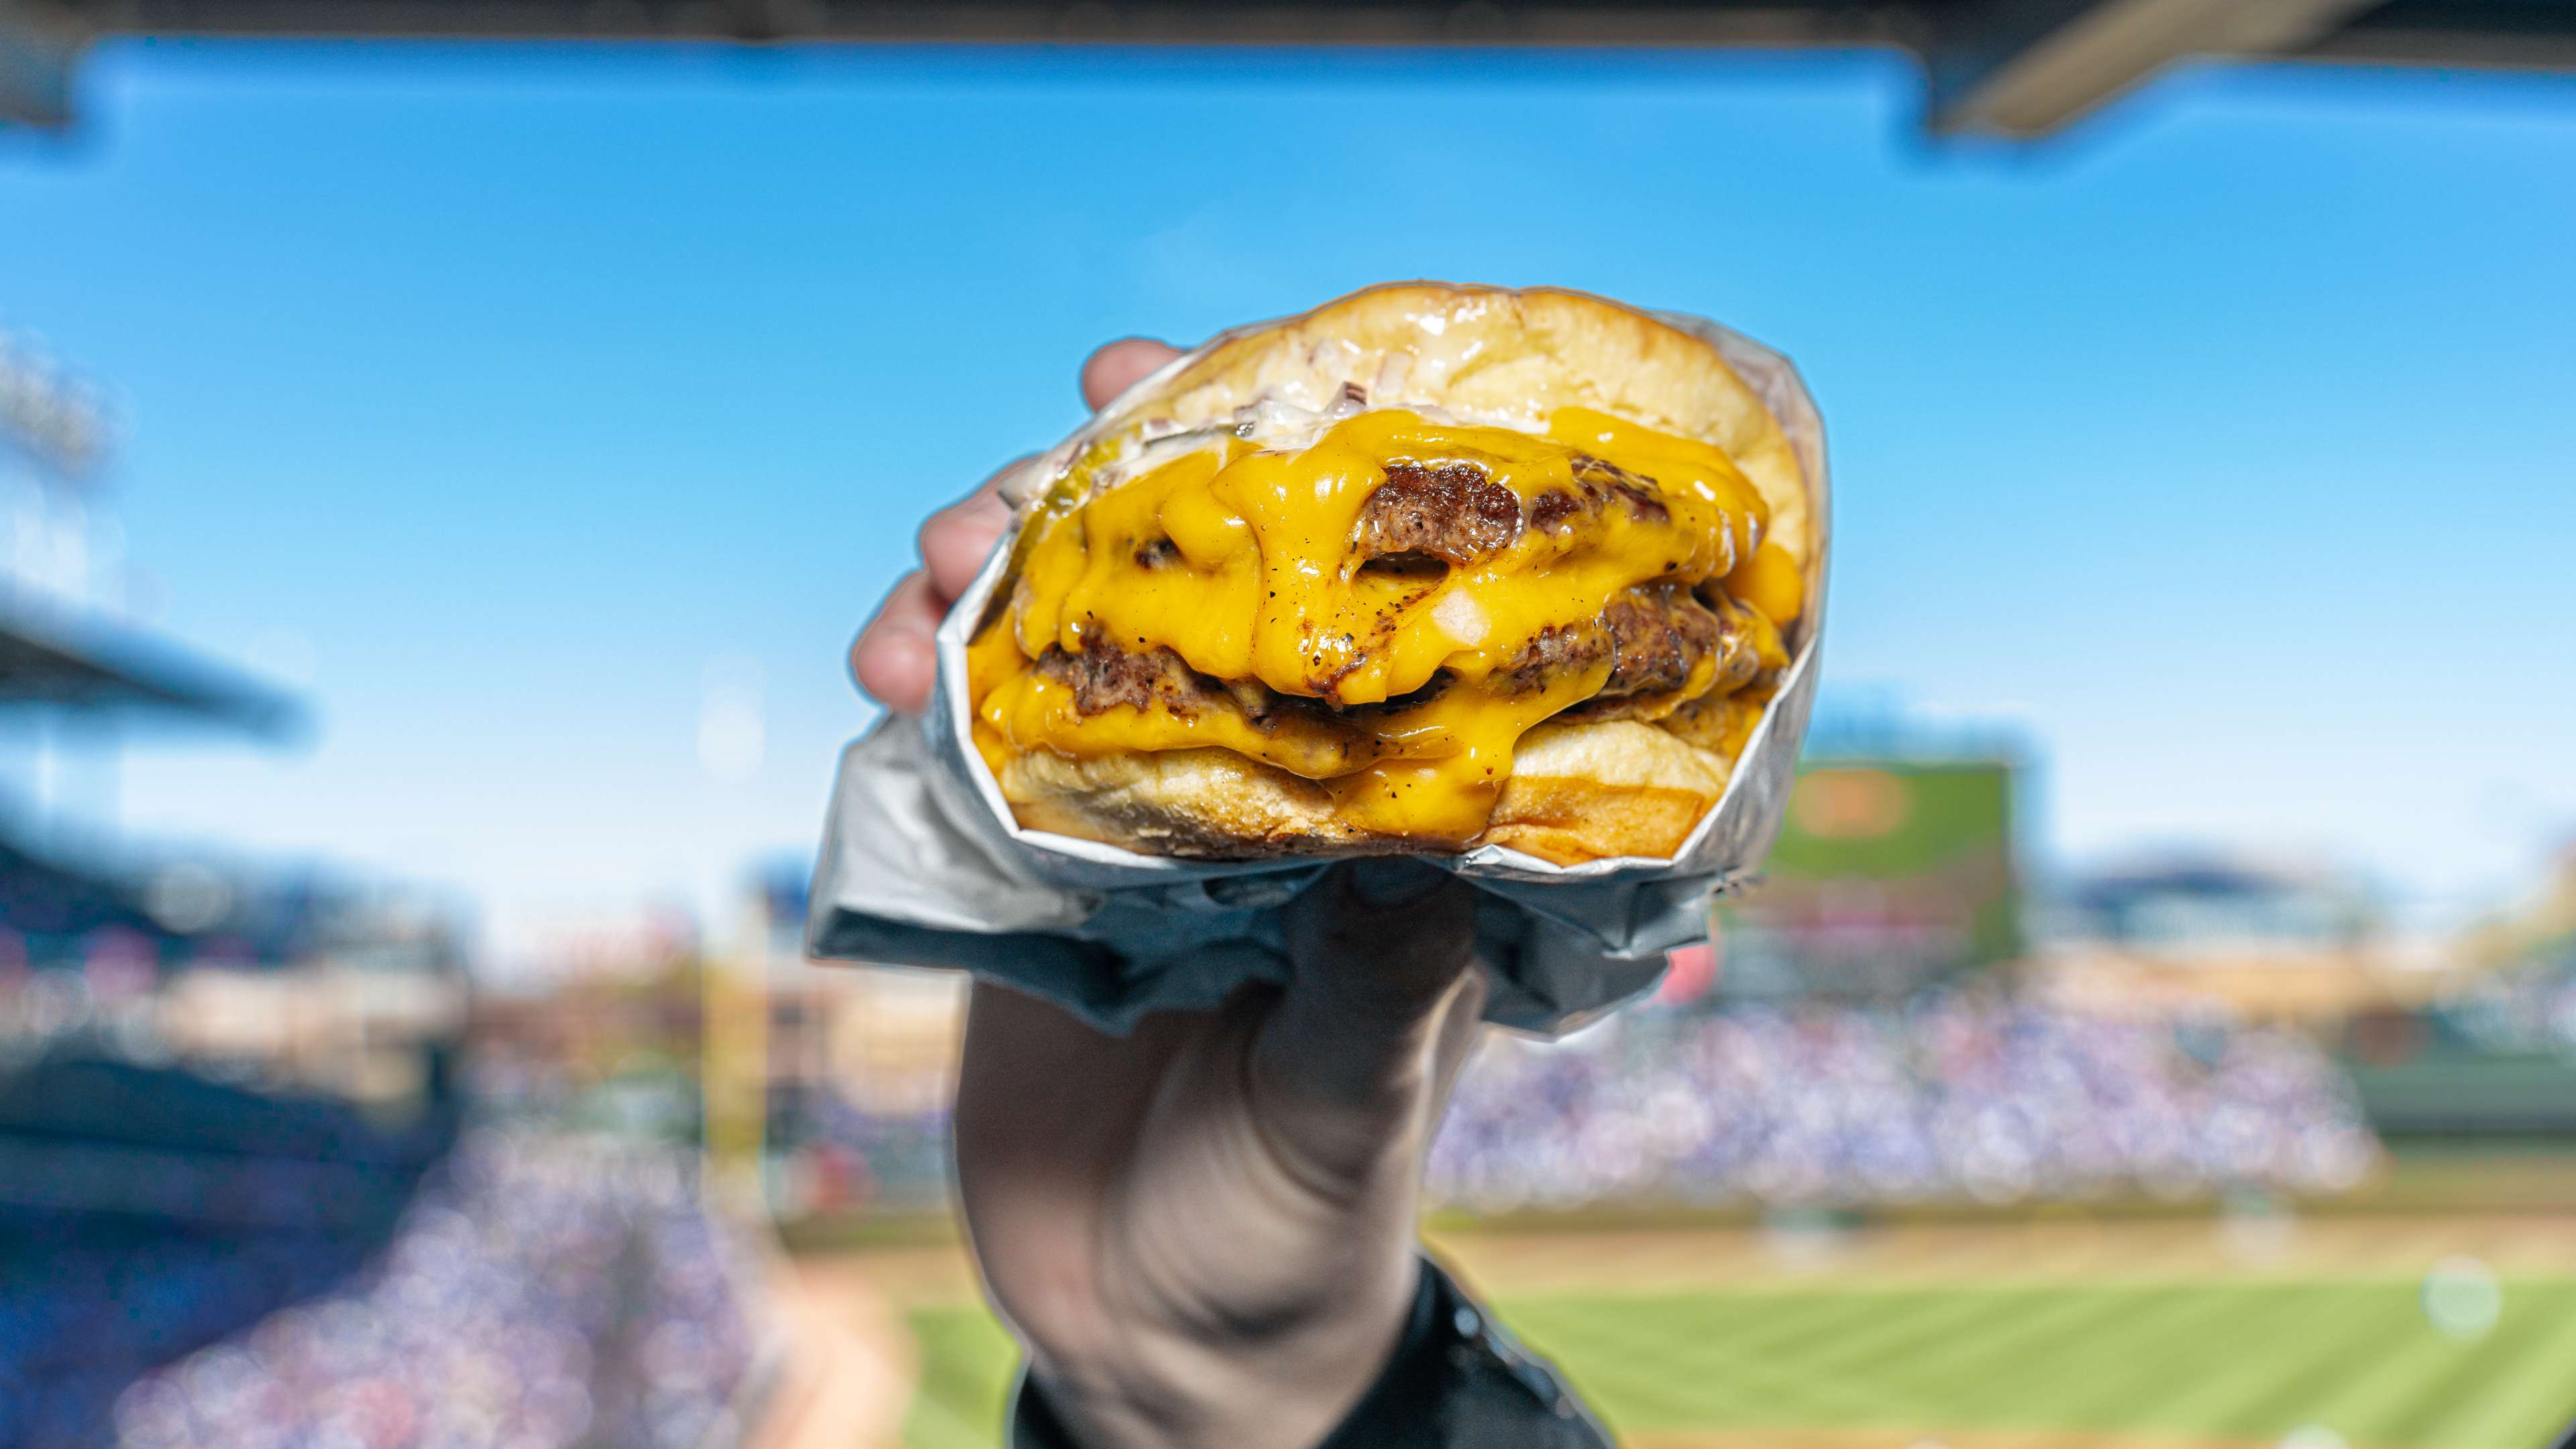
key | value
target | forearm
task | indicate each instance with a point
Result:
(1453, 1379)
(1237, 1385)
(1256, 1332)
(1212, 1243)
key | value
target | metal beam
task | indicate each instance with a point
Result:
(2477, 34)
(38, 45)
(2025, 68)
(59, 660)
(2010, 68)
(1151, 22)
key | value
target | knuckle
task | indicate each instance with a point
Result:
(933, 533)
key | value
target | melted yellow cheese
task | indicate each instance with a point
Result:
(1768, 581)
(1240, 560)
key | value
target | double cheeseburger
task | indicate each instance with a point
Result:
(1427, 568)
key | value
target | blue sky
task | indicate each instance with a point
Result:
(518, 400)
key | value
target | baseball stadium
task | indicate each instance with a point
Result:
(445, 448)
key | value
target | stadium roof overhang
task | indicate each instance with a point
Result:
(2019, 69)
(101, 670)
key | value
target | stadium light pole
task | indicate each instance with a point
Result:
(733, 1064)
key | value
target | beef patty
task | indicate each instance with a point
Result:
(1454, 512)
(1104, 676)
(1457, 513)
(1598, 484)
(1658, 635)
(1654, 636)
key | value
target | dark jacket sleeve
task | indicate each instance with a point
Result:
(1458, 1380)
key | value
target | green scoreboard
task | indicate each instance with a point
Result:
(1889, 874)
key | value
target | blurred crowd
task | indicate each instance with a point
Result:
(541, 1291)
(546, 1289)
(888, 1157)
(2532, 1010)
(1981, 1097)
(1951, 1097)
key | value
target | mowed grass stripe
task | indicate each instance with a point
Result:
(2096, 1378)
(1667, 1357)
(1661, 1360)
(2242, 1363)
(1884, 1335)
(2516, 1385)
(2015, 1324)
(2376, 1402)
(2358, 1331)
(2246, 1362)
(1707, 1377)
(1869, 1370)
(1793, 1361)
(966, 1365)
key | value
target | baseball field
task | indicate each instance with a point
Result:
(2443, 1332)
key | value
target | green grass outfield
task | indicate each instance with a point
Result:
(2250, 1361)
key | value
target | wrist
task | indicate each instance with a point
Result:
(1210, 1386)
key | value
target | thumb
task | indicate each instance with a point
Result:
(1350, 1057)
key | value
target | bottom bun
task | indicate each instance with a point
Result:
(1582, 791)
(1577, 792)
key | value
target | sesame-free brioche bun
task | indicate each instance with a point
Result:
(1580, 786)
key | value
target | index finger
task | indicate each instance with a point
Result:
(955, 540)
(1121, 365)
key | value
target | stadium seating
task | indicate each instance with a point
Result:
(1971, 1098)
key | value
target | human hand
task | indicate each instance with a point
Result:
(1203, 1232)
(894, 659)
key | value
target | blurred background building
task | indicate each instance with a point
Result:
(230, 1092)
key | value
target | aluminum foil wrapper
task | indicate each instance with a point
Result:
(923, 864)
